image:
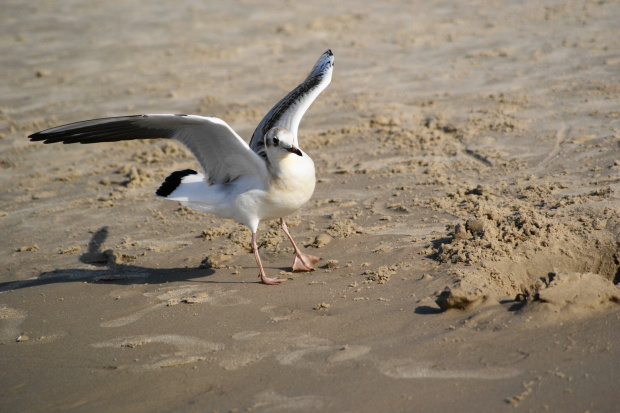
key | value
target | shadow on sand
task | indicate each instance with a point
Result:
(112, 271)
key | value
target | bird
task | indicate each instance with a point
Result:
(267, 179)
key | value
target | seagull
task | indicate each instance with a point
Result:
(268, 179)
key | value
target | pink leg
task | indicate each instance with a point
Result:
(261, 271)
(302, 262)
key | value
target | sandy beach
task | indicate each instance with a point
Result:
(466, 210)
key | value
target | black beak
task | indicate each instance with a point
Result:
(295, 150)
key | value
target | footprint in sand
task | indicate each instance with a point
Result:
(409, 369)
(302, 350)
(277, 314)
(170, 296)
(269, 401)
(187, 349)
(10, 321)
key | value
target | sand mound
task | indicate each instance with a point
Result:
(578, 293)
(508, 251)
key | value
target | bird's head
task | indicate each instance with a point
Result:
(279, 143)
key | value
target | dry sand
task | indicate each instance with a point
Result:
(468, 158)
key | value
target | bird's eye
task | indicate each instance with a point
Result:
(276, 141)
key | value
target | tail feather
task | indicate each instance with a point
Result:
(191, 189)
(172, 182)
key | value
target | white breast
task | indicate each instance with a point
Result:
(291, 186)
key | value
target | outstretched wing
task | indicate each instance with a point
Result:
(287, 113)
(222, 154)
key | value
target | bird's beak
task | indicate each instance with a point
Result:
(295, 150)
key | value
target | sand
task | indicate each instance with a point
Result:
(466, 210)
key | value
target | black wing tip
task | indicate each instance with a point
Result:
(173, 181)
(52, 135)
(40, 136)
(325, 62)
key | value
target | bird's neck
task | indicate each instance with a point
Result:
(293, 171)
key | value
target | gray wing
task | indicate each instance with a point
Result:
(222, 154)
(287, 113)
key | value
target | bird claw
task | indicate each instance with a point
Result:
(304, 262)
(271, 281)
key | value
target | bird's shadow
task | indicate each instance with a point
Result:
(111, 270)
